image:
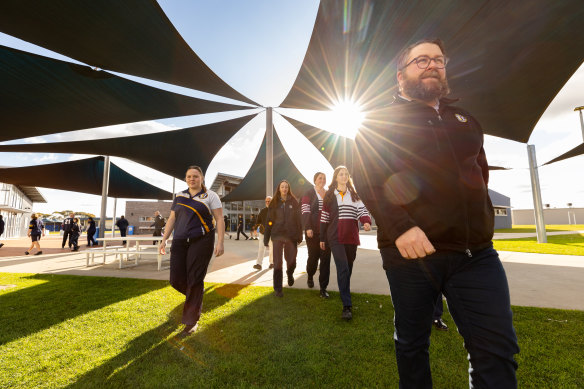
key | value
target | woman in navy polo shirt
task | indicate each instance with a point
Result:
(191, 218)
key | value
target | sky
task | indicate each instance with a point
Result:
(257, 47)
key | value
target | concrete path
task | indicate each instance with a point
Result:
(517, 235)
(542, 280)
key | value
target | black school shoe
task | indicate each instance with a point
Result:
(310, 282)
(39, 253)
(440, 325)
(278, 293)
(347, 313)
(290, 278)
(324, 294)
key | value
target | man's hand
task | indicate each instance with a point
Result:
(309, 233)
(322, 245)
(367, 227)
(414, 244)
(219, 249)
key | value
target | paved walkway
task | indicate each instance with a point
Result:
(542, 280)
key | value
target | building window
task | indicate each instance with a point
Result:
(500, 211)
(146, 219)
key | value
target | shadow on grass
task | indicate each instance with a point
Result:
(61, 298)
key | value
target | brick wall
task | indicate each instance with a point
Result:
(137, 209)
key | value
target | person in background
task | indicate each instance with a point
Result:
(74, 234)
(1, 228)
(261, 224)
(158, 225)
(91, 232)
(241, 228)
(122, 224)
(36, 228)
(67, 229)
(191, 218)
(311, 209)
(253, 232)
(227, 226)
(284, 229)
(342, 210)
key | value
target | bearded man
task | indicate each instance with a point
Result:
(423, 174)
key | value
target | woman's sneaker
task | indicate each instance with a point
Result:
(347, 313)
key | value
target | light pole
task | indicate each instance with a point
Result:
(579, 109)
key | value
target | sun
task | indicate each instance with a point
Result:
(346, 118)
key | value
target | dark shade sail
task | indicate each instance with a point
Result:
(40, 96)
(253, 186)
(509, 59)
(170, 152)
(491, 167)
(85, 176)
(576, 151)
(337, 149)
(128, 36)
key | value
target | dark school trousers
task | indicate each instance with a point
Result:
(344, 255)
(438, 308)
(314, 254)
(290, 250)
(74, 240)
(189, 259)
(241, 231)
(478, 299)
(66, 234)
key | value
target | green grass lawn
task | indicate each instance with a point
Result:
(69, 331)
(572, 244)
(549, 228)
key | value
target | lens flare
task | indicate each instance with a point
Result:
(347, 118)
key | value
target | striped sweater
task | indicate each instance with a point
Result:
(311, 209)
(338, 219)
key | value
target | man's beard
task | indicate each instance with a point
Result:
(416, 89)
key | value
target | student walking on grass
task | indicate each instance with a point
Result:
(191, 219)
(284, 228)
(311, 210)
(36, 228)
(339, 227)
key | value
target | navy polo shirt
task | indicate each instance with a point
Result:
(193, 213)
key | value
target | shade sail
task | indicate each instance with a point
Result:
(85, 176)
(576, 151)
(253, 186)
(169, 152)
(41, 96)
(130, 36)
(335, 148)
(508, 59)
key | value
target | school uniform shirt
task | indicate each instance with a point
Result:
(193, 214)
(311, 210)
(338, 219)
(36, 227)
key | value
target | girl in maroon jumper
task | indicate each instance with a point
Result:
(339, 227)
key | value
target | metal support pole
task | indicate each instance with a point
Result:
(104, 190)
(535, 189)
(269, 153)
(173, 188)
(579, 109)
(114, 218)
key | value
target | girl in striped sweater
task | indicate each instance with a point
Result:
(342, 210)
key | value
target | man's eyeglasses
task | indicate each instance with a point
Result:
(424, 61)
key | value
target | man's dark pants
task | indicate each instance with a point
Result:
(189, 260)
(156, 233)
(66, 234)
(477, 293)
(314, 254)
(122, 234)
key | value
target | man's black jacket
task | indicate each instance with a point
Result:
(418, 167)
